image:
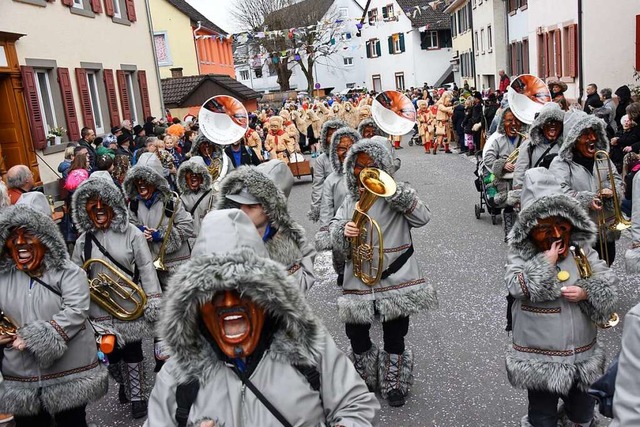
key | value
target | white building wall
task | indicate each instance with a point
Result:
(490, 15)
(429, 65)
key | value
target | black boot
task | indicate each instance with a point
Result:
(366, 365)
(395, 373)
(116, 372)
(135, 381)
(507, 219)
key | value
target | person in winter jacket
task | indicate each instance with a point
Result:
(575, 169)
(240, 154)
(196, 192)
(593, 99)
(212, 154)
(78, 172)
(100, 214)
(50, 366)
(322, 166)
(558, 306)
(231, 285)
(64, 166)
(626, 400)
(368, 129)
(624, 99)
(402, 292)
(557, 89)
(262, 192)
(607, 112)
(627, 140)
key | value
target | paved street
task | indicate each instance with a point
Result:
(460, 378)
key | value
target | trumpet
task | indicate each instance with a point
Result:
(158, 263)
(376, 183)
(7, 326)
(115, 295)
(585, 271)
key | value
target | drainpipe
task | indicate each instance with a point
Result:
(580, 63)
(507, 39)
(473, 49)
(155, 56)
(195, 41)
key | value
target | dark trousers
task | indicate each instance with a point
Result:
(75, 417)
(543, 407)
(130, 353)
(611, 249)
(393, 333)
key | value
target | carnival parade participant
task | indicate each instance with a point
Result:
(322, 166)
(369, 129)
(100, 214)
(279, 143)
(543, 143)
(334, 191)
(402, 290)
(498, 159)
(49, 362)
(351, 115)
(261, 192)
(294, 372)
(443, 122)
(196, 192)
(290, 127)
(575, 169)
(253, 141)
(212, 154)
(423, 124)
(562, 292)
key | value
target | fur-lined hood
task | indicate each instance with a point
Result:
(217, 149)
(335, 140)
(40, 225)
(576, 121)
(106, 190)
(369, 122)
(333, 124)
(149, 172)
(234, 260)
(549, 112)
(194, 165)
(378, 152)
(542, 197)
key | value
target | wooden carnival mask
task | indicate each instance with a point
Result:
(551, 230)
(511, 124)
(368, 131)
(145, 190)
(343, 147)
(552, 130)
(586, 143)
(194, 180)
(235, 323)
(206, 149)
(26, 250)
(100, 213)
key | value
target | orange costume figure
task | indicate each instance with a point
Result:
(253, 141)
(443, 122)
(290, 127)
(432, 112)
(423, 124)
(278, 143)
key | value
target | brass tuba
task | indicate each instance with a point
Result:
(7, 326)
(584, 268)
(118, 295)
(158, 263)
(376, 183)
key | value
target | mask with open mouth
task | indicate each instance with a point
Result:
(235, 323)
(193, 180)
(511, 124)
(100, 213)
(552, 130)
(206, 149)
(145, 189)
(27, 250)
(586, 143)
(550, 230)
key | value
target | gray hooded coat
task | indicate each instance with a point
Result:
(148, 169)
(626, 401)
(234, 258)
(401, 294)
(575, 179)
(59, 369)
(127, 245)
(197, 203)
(632, 255)
(555, 343)
(270, 183)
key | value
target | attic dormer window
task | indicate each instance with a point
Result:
(387, 12)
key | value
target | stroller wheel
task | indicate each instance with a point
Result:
(494, 219)
(478, 211)
(410, 142)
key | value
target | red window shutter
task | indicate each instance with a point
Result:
(73, 130)
(514, 56)
(144, 93)
(637, 42)
(108, 7)
(85, 98)
(124, 95)
(131, 10)
(112, 98)
(525, 56)
(549, 43)
(558, 52)
(96, 6)
(67, 2)
(38, 132)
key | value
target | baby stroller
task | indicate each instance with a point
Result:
(481, 183)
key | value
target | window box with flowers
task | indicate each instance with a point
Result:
(55, 135)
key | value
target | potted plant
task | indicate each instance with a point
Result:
(55, 135)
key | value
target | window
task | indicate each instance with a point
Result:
(464, 18)
(92, 81)
(569, 51)
(525, 56)
(343, 13)
(396, 43)
(489, 39)
(78, 3)
(373, 16)
(377, 83)
(474, 3)
(163, 53)
(45, 99)
(348, 61)
(523, 4)
(258, 73)
(351, 85)
(429, 40)
(387, 12)
(132, 99)
(399, 81)
(477, 44)
(244, 74)
(116, 9)
(465, 65)
(482, 40)
(550, 53)
(454, 25)
(519, 53)
(373, 48)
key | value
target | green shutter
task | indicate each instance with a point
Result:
(401, 42)
(378, 50)
(390, 42)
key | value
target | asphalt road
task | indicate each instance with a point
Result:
(460, 378)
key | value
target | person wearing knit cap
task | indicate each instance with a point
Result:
(559, 303)
(100, 214)
(322, 166)
(576, 169)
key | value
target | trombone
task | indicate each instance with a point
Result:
(7, 326)
(158, 263)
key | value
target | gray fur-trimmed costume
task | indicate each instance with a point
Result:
(322, 168)
(128, 246)
(270, 183)
(555, 347)
(218, 152)
(377, 132)
(396, 297)
(197, 203)
(236, 260)
(59, 369)
(632, 255)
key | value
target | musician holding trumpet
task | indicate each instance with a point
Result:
(115, 255)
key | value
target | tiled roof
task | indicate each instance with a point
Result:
(420, 17)
(301, 14)
(176, 90)
(196, 16)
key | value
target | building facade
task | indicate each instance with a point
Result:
(69, 77)
(463, 57)
(489, 33)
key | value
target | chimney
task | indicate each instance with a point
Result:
(176, 72)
